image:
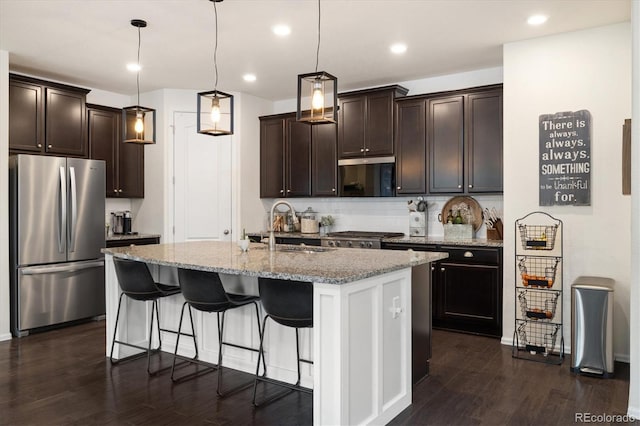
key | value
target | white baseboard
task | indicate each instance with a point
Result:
(634, 412)
(4, 337)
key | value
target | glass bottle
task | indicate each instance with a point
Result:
(450, 217)
(458, 219)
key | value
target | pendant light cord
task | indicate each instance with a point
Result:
(138, 73)
(318, 49)
(215, 49)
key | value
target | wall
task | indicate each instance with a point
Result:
(634, 375)
(5, 332)
(482, 77)
(148, 213)
(248, 155)
(590, 70)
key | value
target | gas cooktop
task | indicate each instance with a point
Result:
(357, 239)
(364, 234)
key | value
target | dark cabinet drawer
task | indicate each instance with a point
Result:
(136, 241)
(487, 256)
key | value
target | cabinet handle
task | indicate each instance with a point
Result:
(288, 191)
(39, 145)
(333, 190)
(361, 149)
(470, 186)
(442, 269)
(49, 146)
(115, 190)
(459, 186)
(468, 254)
(433, 268)
(282, 191)
(119, 190)
(366, 150)
(399, 187)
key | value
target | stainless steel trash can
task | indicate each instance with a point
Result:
(592, 319)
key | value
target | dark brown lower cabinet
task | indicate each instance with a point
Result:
(466, 287)
(467, 297)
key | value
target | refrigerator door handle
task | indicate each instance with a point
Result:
(62, 210)
(67, 267)
(74, 209)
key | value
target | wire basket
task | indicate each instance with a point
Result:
(538, 237)
(538, 305)
(538, 271)
(537, 337)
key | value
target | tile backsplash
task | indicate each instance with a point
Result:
(382, 214)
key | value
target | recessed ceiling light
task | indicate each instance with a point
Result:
(537, 19)
(398, 48)
(134, 67)
(281, 30)
(249, 77)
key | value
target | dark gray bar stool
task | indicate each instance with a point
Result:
(288, 303)
(203, 291)
(136, 282)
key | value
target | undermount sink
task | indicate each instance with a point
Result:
(301, 248)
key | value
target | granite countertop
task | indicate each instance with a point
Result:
(476, 242)
(333, 266)
(120, 237)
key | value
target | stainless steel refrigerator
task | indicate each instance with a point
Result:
(57, 224)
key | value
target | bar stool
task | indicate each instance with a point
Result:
(136, 282)
(203, 291)
(288, 303)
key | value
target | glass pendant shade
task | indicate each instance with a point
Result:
(215, 113)
(317, 98)
(139, 125)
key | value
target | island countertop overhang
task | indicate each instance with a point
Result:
(334, 266)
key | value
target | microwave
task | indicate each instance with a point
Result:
(367, 177)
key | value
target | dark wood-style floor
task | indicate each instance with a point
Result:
(63, 377)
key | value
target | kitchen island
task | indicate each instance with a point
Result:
(361, 339)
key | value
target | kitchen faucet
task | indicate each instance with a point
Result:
(272, 236)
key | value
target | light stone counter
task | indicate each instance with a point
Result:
(333, 266)
(474, 242)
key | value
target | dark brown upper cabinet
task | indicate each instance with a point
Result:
(446, 144)
(464, 139)
(285, 157)
(124, 162)
(483, 143)
(324, 160)
(47, 118)
(366, 122)
(411, 147)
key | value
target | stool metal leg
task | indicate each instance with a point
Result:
(260, 334)
(115, 330)
(221, 341)
(193, 360)
(263, 378)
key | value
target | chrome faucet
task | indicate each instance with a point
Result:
(272, 236)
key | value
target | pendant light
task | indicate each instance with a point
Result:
(215, 108)
(139, 123)
(317, 93)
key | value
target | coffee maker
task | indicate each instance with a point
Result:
(117, 222)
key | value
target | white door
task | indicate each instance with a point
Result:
(202, 187)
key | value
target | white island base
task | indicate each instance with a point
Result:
(360, 343)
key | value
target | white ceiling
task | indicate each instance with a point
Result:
(89, 42)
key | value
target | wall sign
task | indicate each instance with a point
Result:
(565, 158)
